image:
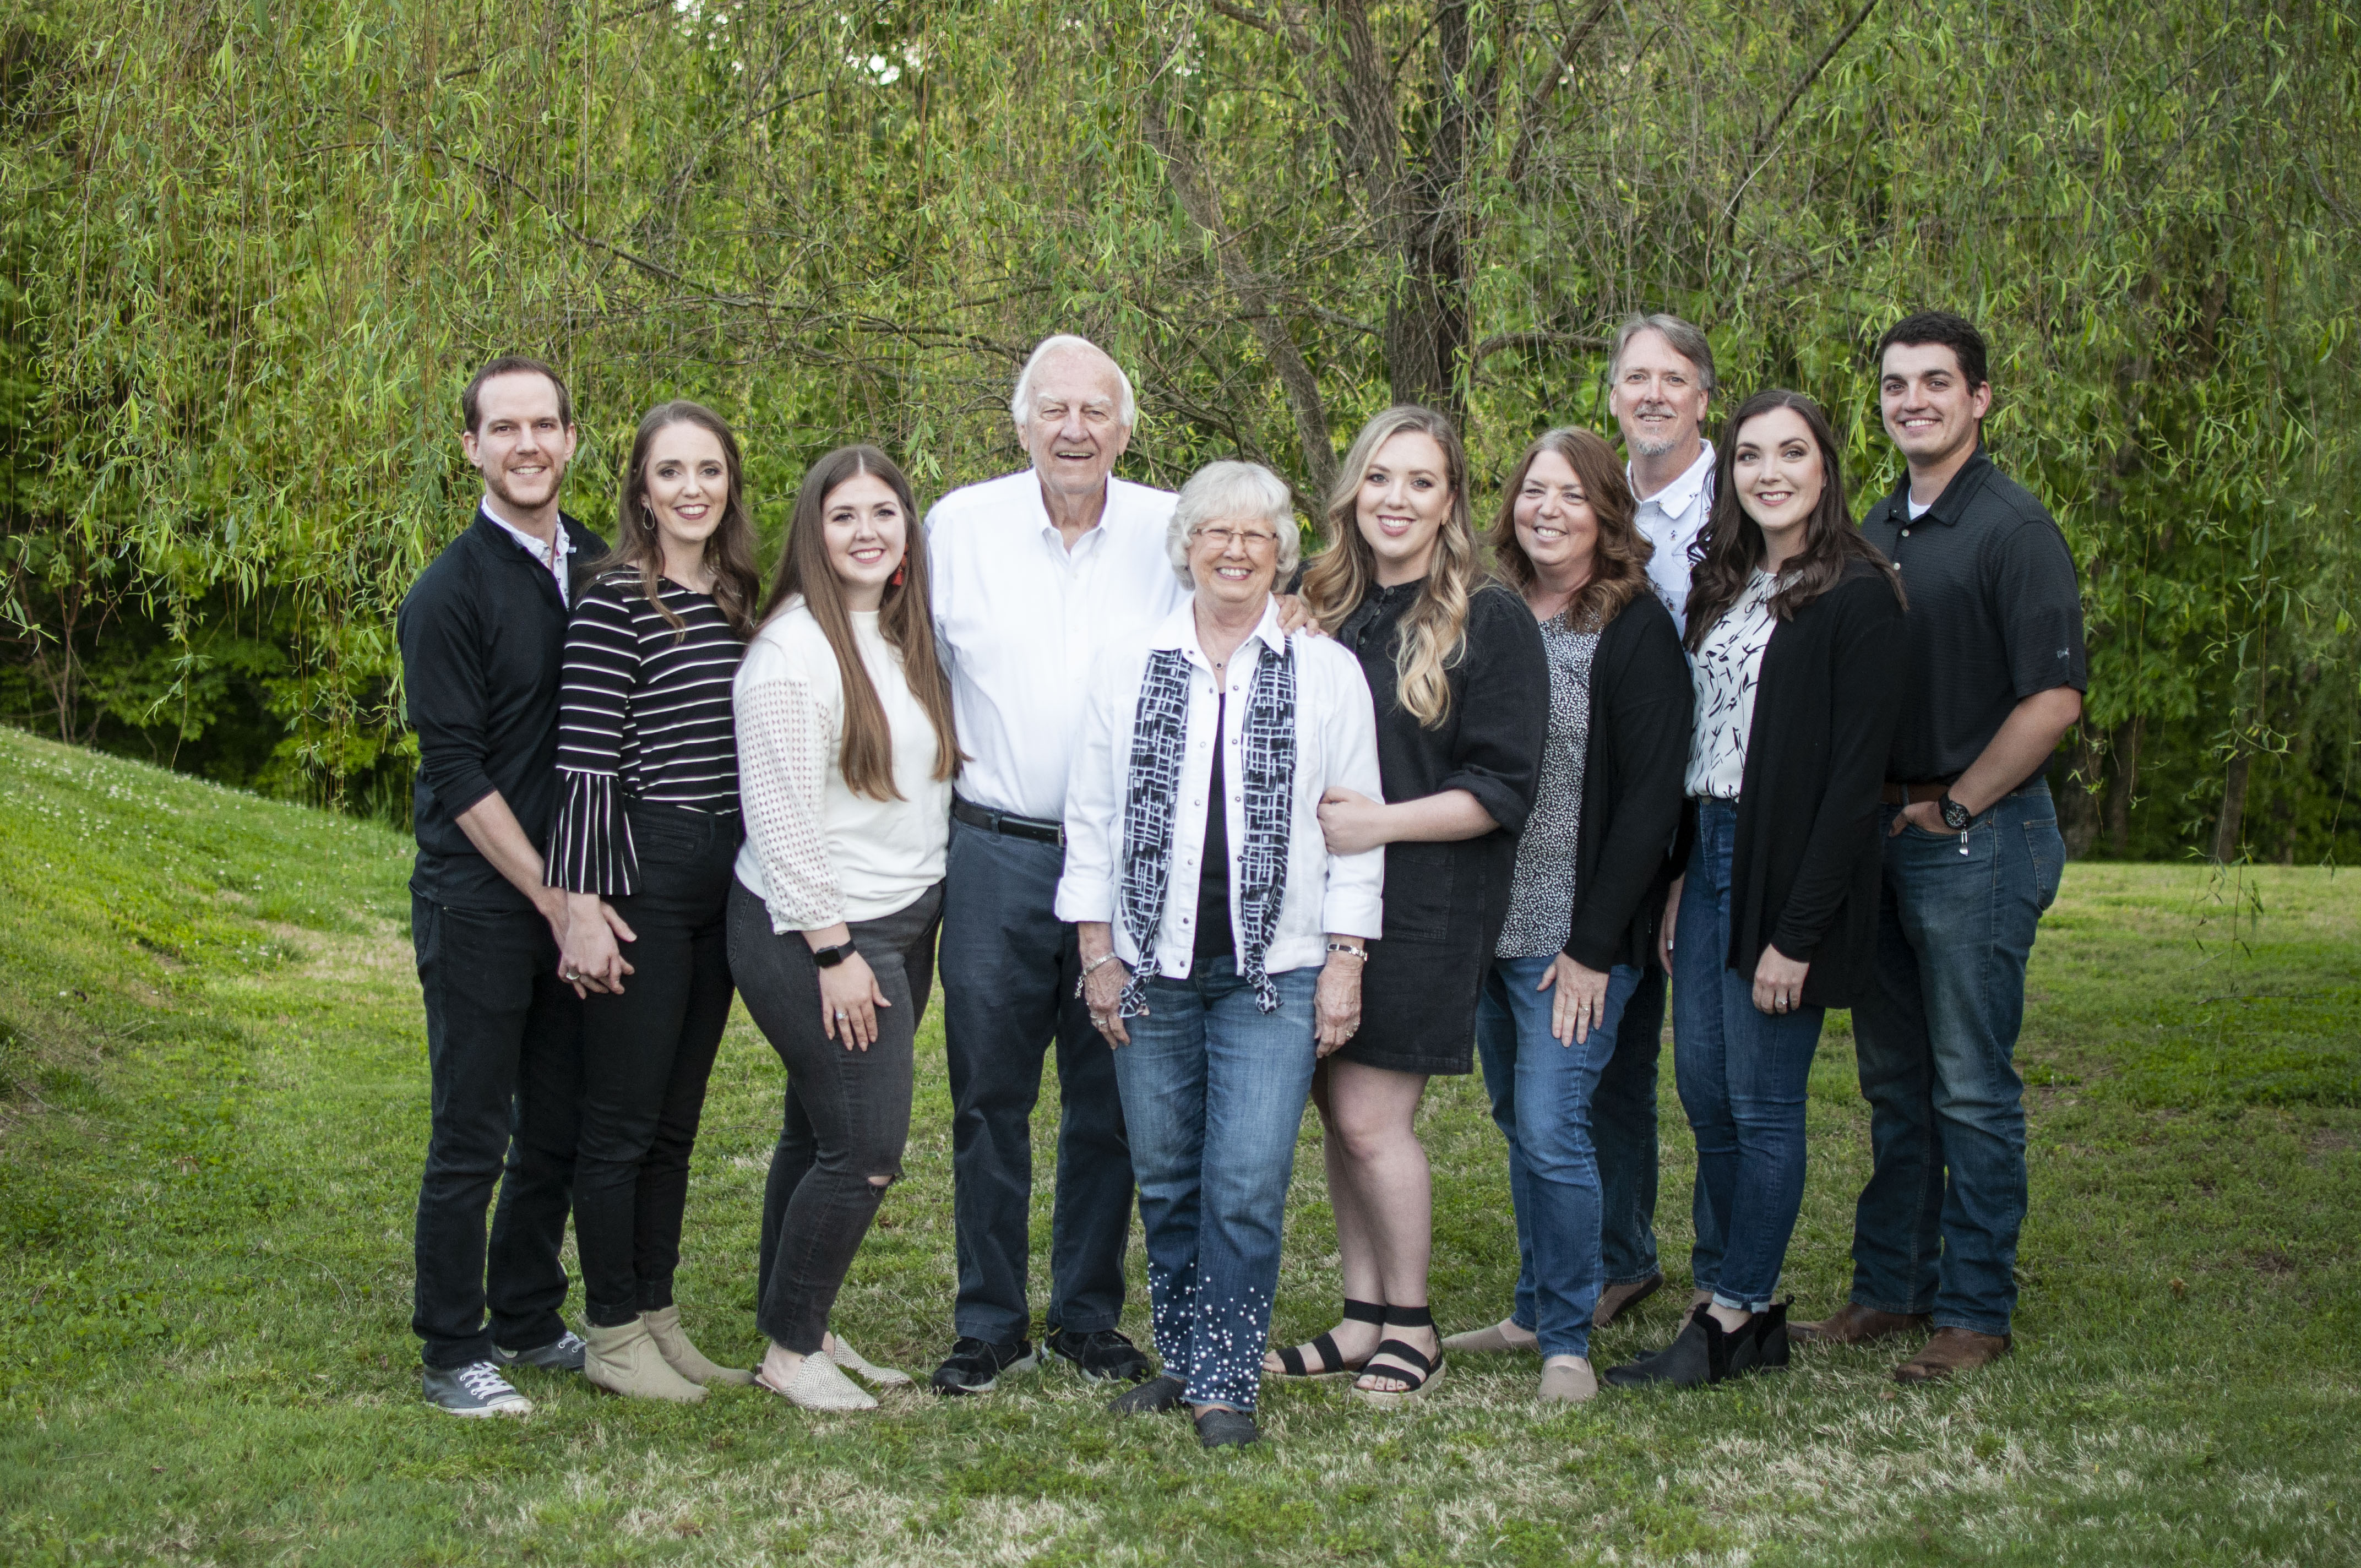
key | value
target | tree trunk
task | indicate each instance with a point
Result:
(1426, 320)
(2123, 784)
(2077, 810)
(2230, 827)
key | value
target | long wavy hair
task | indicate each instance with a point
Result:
(729, 549)
(1731, 547)
(1619, 562)
(1433, 632)
(807, 573)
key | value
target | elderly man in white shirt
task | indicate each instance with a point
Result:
(1660, 383)
(1033, 574)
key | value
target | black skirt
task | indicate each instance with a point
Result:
(1444, 907)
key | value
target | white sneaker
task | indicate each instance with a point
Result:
(475, 1389)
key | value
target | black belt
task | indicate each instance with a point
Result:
(1008, 822)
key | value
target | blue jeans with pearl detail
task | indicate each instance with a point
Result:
(1214, 1092)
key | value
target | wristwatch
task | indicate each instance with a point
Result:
(1954, 815)
(829, 958)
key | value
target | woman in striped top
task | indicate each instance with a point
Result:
(646, 832)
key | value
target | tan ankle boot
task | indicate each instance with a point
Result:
(671, 1340)
(624, 1360)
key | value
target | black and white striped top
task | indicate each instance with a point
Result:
(643, 715)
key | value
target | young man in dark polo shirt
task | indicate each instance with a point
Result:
(1972, 858)
(483, 636)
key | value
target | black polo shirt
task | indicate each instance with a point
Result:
(1996, 615)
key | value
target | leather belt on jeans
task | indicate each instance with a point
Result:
(1911, 794)
(1008, 822)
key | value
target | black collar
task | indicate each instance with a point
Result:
(1952, 504)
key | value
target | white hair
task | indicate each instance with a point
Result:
(1067, 343)
(1231, 491)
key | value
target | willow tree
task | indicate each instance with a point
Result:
(253, 252)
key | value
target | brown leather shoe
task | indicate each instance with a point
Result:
(1853, 1323)
(1953, 1350)
(1618, 1299)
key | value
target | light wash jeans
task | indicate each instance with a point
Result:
(1541, 1101)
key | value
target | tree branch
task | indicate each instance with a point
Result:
(1795, 95)
(1203, 204)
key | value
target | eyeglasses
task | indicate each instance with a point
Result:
(1250, 539)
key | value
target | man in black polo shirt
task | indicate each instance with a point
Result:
(1973, 856)
(483, 637)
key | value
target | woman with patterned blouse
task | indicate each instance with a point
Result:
(647, 820)
(1591, 872)
(1794, 637)
(846, 756)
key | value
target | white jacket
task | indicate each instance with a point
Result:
(1335, 745)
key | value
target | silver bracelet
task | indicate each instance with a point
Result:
(1349, 950)
(1083, 978)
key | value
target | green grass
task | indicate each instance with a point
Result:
(212, 1106)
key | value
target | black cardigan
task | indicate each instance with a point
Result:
(1804, 873)
(1640, 702)
(483, 640)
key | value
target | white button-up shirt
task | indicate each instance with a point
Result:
(554, 557)
(1020, 621)
(1672, 519)
(1335, 745)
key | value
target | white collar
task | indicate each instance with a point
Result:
(1050, 527)
(541, 552)
(1179, 630)
(1681, 493)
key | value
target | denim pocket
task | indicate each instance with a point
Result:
(1419, 884)
(2047, 851)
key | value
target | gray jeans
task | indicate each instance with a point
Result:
(848, 1112)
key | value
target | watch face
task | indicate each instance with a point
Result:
(1955, 815)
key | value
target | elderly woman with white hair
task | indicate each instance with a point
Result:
(1222, 944)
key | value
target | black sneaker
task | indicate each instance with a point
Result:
(567, 1353)
(1149, 1398)
(974, 1366)
(1220, 1427)
(1103, 1355)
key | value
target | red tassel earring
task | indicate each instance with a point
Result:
(899, 572)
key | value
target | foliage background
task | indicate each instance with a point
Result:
(250, 252)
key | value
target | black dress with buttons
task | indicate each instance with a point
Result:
(1444, 903)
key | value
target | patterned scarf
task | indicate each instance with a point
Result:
(1159, 735)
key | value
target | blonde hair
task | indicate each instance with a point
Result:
(1433, 632)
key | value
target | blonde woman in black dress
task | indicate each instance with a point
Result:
(1461, 683)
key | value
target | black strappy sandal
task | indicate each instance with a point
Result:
(1420, 1372)
(1331, 1360)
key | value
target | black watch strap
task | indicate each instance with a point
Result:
(829, 958)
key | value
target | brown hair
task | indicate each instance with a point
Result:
(903, 616)
(471, 400)
(1433, 632)
(1731, 547)
(1619, 562)
(729, 549)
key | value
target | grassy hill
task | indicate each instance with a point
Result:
(212, 1097)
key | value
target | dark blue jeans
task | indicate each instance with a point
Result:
(1214, 1092)
(1743, 1074)
(1541, 1101)
(1623, 1131)
(1936, 1228)
(1008, 968)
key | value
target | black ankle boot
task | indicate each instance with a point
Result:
(1770, 1331)
(1700, 1355)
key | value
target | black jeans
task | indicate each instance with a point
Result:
(848, 1112)
(1009, 969)
(504, 1049)
(646, 1054)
